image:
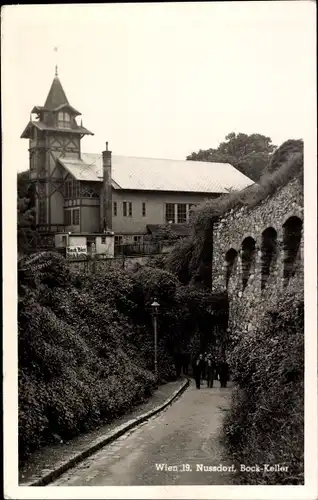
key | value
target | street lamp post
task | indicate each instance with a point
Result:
(155, 311)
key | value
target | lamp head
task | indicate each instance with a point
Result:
(155, 306)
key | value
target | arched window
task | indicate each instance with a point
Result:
(248, 259)
(230, 259)
(269, 252)
(292, 237)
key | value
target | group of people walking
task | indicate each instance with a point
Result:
(208, 368)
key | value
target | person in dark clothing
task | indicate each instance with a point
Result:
(223, 372)
(210, 370)
(204, 366)
(198, 370)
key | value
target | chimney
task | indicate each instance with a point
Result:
(106, 201)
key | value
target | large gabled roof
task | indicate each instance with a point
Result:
(152, 174)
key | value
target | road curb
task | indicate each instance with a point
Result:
(111, 436)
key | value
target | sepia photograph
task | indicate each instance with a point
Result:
(159, 200)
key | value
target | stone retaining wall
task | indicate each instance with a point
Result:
(275, 262)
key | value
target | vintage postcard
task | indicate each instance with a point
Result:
(159, 195)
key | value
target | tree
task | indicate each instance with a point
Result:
(25, 211)
(250, 154)
(283, 153)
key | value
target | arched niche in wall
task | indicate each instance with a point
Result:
(292, 238)
(269, 253)
(248, 259)
(230, 262)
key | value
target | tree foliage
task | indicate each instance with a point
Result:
(265, 423)
(25, 212)
(250, 154)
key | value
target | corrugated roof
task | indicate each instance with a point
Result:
(160, 175)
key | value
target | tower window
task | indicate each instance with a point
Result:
(63, 120)
(143, 209)
(115, 208)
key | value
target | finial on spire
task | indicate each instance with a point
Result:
(56, 72)
(81, 122)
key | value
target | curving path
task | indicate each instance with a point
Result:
(176, 447)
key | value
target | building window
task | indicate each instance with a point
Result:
(103, 240)
(170, 214)
(137, 239)
(248, 259)
(118, 240)
(76, 217)
(63, 120)
(72, 189)
(115, 208)
(181, 213)
(230, 259)
(64, 241)
(67, 217)
(268, 253)
(143, 209)
(292, 238)
(42, 211)
(127, 208)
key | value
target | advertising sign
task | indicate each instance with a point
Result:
(76, 252)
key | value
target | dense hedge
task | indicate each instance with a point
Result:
(265, 424)
(76, 368)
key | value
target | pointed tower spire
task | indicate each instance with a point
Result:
(56, 96)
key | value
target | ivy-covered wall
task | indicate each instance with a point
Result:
(256, 253)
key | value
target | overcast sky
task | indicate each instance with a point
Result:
(161, 80)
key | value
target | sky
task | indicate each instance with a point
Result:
(161, 80)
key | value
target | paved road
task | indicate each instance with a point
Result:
(184, 437)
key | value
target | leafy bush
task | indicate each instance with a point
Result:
(266, 421)
(77, 368)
